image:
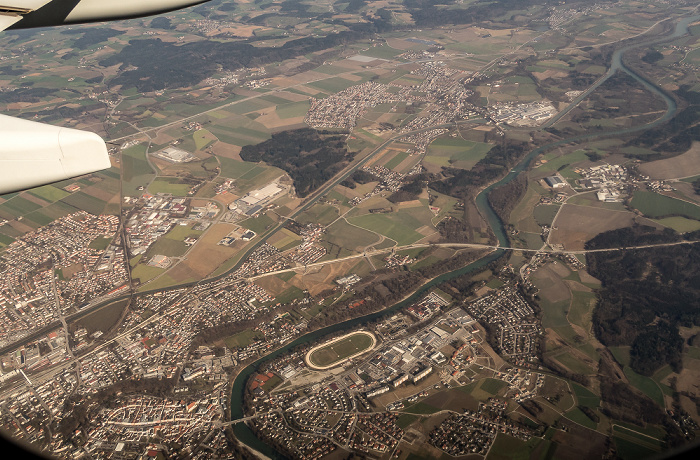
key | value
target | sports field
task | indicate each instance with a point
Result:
(338, 350)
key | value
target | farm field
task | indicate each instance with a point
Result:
(684, 165)
(655, 205)
(577, 224)
(169, 185)
(350, 237)
(455, 152)
(399, 226)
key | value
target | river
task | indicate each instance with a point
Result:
(246, 435)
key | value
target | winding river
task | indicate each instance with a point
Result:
(246, 435)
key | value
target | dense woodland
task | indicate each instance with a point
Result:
(646, 295)
(311, 159)
(154, 64)
(503, 199)
(497, 162)
(677, 134)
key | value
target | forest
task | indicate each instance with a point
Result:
(497, 162)
(311, 159)
(676, 135)
(503, 199)
(646, 295)
(158, 65)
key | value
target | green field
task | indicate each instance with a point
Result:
(319, 213)
(507, 447)
(338, 351)
(89, 203)
(654, 205)
(447, 151)
(167, 247)
(18, 206)
(348, 236)
(544, 214)
(421, 408)
(493, 386)
(585, 397)
(145, 273)
(104, 318)
(332, 85)
(680, 224)
(272, 383)
(579, 417)
(49, 193)
(235, 168)
(399, 226)
(645, 385)
(258, 224)
(292, 109)
(242, 339)
(581, 306)
(574, 364)
(290, 294)
(100, 243)
(5, 240)
(554, 162)
(136, 171)
(394, 162)
(554, 314)
(630, 450)
(169, 185)
(289, 240)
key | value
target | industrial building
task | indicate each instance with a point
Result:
(174, 155)
(254, 201)
(555, 181)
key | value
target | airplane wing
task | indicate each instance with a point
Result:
(12, 11)
(33, 154)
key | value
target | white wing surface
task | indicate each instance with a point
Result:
(33, 154)
(6, 20)
(11, 11)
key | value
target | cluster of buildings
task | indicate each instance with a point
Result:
(609, 180)
(253, 202)
(428, 306)
(411, 359)
(320, 418)
(341, 110)
(124, 430)
(442, 87)
(152, 217)
(52, 270)
(274, 428)
(174, 155)
(447, 96)
(309, 251)
(227, 78)
(339, 410)
(523, 383)
(517, 328)
(529, 114)
(389, 181)
(398, 260)
(474, 431)
(559, 16)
